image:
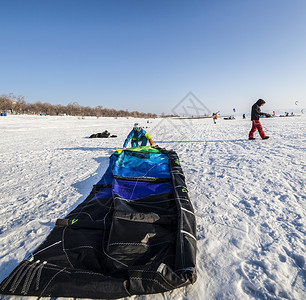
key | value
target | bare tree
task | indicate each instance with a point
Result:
(19, 106)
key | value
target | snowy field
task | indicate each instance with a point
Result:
(248, 196)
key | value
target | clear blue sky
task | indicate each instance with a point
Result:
(147, 55)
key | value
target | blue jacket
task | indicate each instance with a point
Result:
(136, 136)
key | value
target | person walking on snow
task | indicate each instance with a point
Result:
(255, 115)
(138, 135)
(215, 117)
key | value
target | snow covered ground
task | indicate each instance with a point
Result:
(249, 196)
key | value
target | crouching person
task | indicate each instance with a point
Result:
(138, 137)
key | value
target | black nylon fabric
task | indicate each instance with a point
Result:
(110, 248)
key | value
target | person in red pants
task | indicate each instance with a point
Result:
(255, 115)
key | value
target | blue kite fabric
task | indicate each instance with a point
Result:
(134, 234)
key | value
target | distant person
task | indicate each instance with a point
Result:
(243, 116)
(138, 136)
(255, 115)
(215, 117)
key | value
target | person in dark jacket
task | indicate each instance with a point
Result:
(255, 115)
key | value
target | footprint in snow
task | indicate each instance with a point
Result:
(297, 258)
(283, 198)
(282, 258)
(245, 207)
(258, 282)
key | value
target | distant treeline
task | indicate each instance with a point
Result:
(17, 105)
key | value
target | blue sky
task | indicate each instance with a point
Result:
(147, 55)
